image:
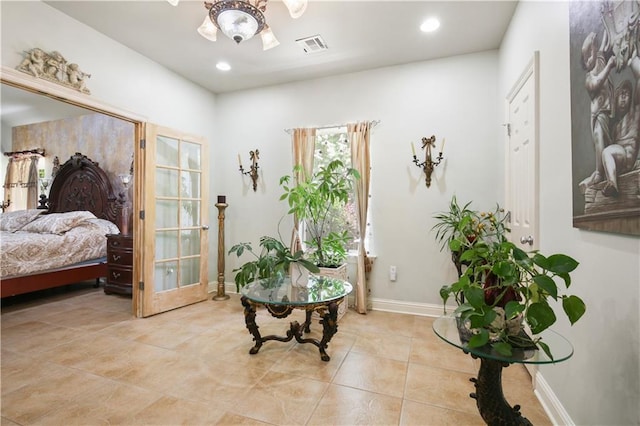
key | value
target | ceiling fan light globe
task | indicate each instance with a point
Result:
(237, 24)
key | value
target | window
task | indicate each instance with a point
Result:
(332, 144)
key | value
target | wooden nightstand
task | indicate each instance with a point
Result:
(119, 264)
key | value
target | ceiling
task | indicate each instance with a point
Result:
(360, 35)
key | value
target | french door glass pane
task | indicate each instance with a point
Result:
(166, 182)
(190, 184)
(190, 214)
(166, 214)
(190, 242)
(166, 276)
(167, 151)
(190, 156)
(166, 245)
(190, 271)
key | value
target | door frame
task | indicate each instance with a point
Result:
(42, 87)
(530, 71)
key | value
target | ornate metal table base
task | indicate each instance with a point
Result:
(327, 311)
(494, 409)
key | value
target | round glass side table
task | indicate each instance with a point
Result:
(280, 296)
(493, 407)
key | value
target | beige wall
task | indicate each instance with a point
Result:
(105, 140)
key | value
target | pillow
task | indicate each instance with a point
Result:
(57, 223)
(14, 221)
(106, 226)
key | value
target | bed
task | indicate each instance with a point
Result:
(82, 209)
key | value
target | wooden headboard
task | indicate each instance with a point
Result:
(81, 184)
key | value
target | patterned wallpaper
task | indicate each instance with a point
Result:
(104, 139)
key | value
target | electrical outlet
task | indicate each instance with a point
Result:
(393, 273)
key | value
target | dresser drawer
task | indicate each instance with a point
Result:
(119, 242)
(118, 275)
(120, 257)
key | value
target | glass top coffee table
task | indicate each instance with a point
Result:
(280, 297)
(493, 407)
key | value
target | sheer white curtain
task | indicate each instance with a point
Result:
(21, 182)
(303, 145)
(358, 134)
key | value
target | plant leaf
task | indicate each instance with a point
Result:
(547, 284)
(561, 263)
(574, 307)
(545, 348)
(541, 261)
(475, 296)
(512, 309)
(503, 348)
(479, 339)
(540, 316)
(519, 254)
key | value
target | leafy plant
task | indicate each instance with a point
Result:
(273, 261)
(499, 283)
(334, 250)
(312, 201)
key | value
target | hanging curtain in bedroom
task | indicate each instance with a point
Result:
(21, 182)
(358, 134)
(303, 145)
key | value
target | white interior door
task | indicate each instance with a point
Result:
(522, 163)
(175, 220)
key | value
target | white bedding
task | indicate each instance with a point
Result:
(57, 241)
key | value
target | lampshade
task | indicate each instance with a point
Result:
(269, 41)
(125, 179)
(208, 30)
(296, 7)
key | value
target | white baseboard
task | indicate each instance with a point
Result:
(551, 404)
(228, 287)
(423, 309)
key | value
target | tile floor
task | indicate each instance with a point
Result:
(81, 359)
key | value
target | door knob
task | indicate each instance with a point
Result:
(527, 240)
(205, 227)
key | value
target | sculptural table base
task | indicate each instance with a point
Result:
(327, 311)
(493, 408)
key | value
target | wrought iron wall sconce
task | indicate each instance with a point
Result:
(5, 205)
(429, 163)
(254, 156)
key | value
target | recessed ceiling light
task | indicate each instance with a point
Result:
(223, 66)
(430, 25)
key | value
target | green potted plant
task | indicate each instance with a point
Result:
(501, 287)
(313, 201)
(273, 261)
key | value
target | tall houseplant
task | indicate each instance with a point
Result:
(500, 284)
(312, 201)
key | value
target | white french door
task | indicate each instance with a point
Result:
(175, 220)
(522, 163)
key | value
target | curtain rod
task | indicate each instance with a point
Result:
(373, 124)
(38, 151)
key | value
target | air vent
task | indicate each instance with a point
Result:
(312, 44)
